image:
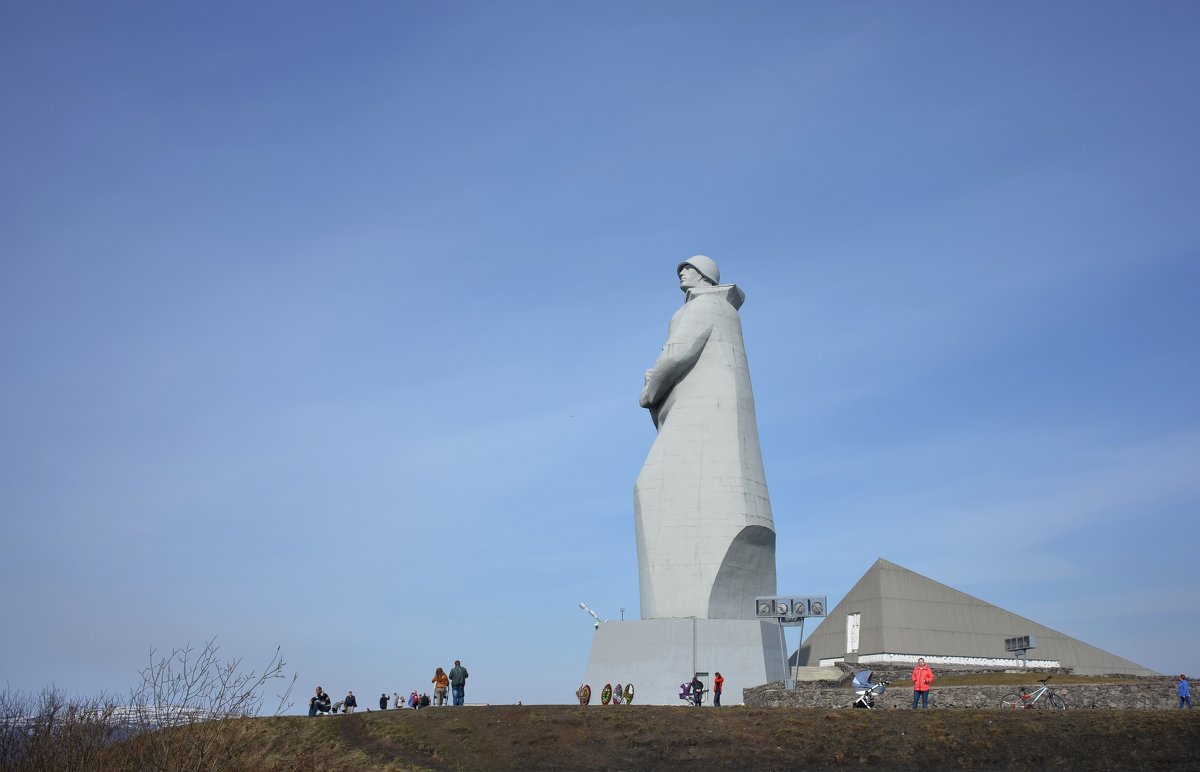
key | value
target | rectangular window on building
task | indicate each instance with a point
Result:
(852, 625)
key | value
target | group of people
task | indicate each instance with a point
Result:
(455, 681)
(321, 703)
(693, 691)
(414, 700)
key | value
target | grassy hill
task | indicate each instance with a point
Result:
(678, 737)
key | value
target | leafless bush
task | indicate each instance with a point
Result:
(191, 711)
(47, 731)
(186, 703)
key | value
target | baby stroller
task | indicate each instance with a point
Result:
(691, 697)
(865, 690)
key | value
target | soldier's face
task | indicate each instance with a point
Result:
(689, 277)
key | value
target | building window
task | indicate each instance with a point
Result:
(853, 622)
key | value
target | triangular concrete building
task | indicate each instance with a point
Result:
(893, 615)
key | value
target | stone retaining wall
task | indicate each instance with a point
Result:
(1157, 693)
(900, 674)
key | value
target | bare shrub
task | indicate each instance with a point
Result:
(184, 711)
(192, 711)
(48, 731)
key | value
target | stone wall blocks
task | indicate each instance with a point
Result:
(1156, 693)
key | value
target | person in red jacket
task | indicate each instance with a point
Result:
(922, 677)
(441, 682)
(718, 687)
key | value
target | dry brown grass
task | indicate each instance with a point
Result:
(676, 737)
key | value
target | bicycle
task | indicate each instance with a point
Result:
(1042, 697)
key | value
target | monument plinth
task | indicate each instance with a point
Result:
(702, 517)
(657, 655)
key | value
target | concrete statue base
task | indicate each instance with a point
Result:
(657, 655)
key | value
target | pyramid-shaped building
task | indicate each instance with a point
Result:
(894, 615)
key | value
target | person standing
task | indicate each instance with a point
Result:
(350, 703)
(458, 682)
(383, 701)
(1185, 692)
(922, 677)
(440, 682)
(718, 687)
(697, 690)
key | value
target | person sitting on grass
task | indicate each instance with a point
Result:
(318, 703)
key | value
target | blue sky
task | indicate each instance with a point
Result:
(323, 325)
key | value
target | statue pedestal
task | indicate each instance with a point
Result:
(657, 655)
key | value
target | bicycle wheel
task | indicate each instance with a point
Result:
(1012, 701)
(1054, 702)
